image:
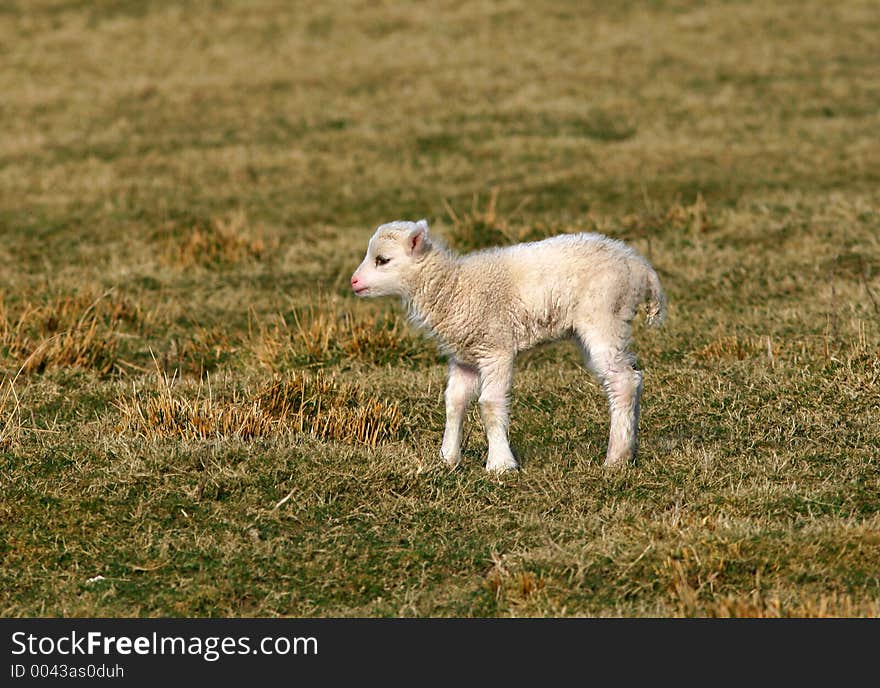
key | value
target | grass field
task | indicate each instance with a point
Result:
(197, 418)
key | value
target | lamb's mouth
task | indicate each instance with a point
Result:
(361, 291)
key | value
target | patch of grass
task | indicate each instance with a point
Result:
(689, 218)
(197, 351)
(513, 589)
(314, 405)
(10, 415)
(482, 228)
(733, 347)
(759, 607)
(326, 333)
(605, 125)
(223, 241)
(72, 330)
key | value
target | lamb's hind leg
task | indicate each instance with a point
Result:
(613, 366)
(460, 389)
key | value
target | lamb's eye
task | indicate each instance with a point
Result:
(381, 260)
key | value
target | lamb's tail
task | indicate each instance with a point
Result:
(655, 312)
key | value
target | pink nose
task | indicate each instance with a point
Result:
(354, 281)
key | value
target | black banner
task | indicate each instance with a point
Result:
(145, 651)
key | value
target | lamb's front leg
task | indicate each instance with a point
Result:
(460, 389)
(495, 379)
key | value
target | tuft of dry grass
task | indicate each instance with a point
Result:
(736, 347)
(817, 350)
(479, 228)
(75, 330)
(222, 241)
(515, 588)
(297, 403)
(325, 332)
(10, 415)
(758, 606)
(655, 218)
(331, 410)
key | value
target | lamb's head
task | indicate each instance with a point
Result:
(393, 254)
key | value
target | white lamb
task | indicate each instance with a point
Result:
(487, 306)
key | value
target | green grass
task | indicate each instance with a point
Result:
(185, 191)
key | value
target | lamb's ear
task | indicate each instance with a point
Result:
(417, 240)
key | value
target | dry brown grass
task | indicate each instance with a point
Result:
(198, 351)
(77, 330)
(512, 588)
(821, 349)
(690, 218)
(226, 240)
(327, 331)
(10, 415)
(759, 606)
(487, 226)
(298, 403)
(736, 347)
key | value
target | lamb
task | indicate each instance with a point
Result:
(485, 307)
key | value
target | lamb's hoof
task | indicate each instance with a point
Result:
(507, 463)
(452, 459)
(617, 462)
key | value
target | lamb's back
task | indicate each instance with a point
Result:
(561, 267)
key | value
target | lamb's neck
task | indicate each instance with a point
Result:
(432, 289)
